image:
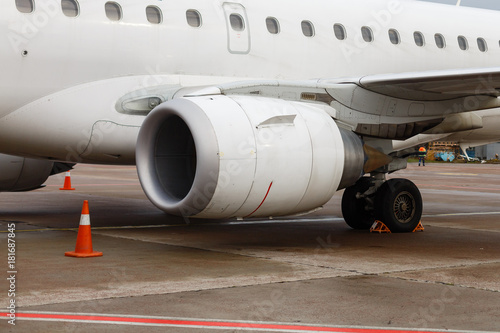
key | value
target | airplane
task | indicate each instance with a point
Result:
(239, 109)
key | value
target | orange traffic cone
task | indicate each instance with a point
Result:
(83, 248)
(67, 183)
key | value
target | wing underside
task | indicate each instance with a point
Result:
(436, 85)
(392, 106)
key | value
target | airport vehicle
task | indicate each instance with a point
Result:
(246, 108)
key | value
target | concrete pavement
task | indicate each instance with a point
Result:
(308, 270)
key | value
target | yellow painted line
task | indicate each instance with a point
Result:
(457, 174)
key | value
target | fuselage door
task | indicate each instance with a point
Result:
(238, 30)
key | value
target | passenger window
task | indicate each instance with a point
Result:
(419, 38)
(273, 25)
(339, 31)
(237, 22)
(113, 11)
(193, 18)
(481, 43)
(70, 8)
(154, 15)
(440, 41)
(307, 28)
(394, 37)
(462, 43)
(367, 34)
(25, 6)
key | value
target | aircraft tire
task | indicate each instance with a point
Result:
(399, 205)
(353, 209)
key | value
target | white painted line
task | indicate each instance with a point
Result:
(463, 214)
(249, 222)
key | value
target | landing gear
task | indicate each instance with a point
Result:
(396, 202)
(354, 208)
(399, 205)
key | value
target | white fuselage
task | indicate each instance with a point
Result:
(46, 52)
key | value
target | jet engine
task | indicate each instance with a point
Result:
(223, 156)
(19, 174)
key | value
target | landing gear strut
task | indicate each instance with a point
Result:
(397, 203)
(354, 205)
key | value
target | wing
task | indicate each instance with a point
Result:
(393, 106)
(436, 85)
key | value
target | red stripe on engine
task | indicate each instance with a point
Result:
(256, 209)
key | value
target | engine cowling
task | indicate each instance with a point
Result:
(240, 156)
(23, 174)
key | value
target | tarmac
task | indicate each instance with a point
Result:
(297, 274)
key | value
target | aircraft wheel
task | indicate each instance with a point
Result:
(353, 209)
(399, 205)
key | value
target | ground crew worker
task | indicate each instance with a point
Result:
(422, 153)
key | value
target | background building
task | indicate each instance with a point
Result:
(488, 152)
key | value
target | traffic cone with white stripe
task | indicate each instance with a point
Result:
(83, 248)
(67, 183)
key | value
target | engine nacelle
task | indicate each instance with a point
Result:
(22, 174)
(240, 156)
